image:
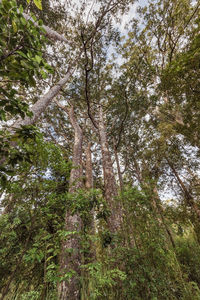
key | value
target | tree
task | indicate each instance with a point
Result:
(102, 199)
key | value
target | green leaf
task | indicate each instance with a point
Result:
(38, 59)
(23, 20)
(44, 75)
(50, 257)
(21, 9)
(21, 53)
(40, 22)
(38, 3)
(14, 25)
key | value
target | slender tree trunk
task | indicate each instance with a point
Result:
(89, 229)
(70, 256)
(10, 204)
(109, 178)
(189, 198)
(118, 166)
(158, 209)
(89, 184)
(156, 204)
(161, 211)
(88, 169)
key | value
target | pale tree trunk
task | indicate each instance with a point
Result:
(88, 167)
(70, 255)
(89, 184)
(118, 166)
(40, 106)
(50, 33)
(115, 218)
(90, 253)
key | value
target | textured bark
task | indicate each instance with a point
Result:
(88, 167)
(72, 260)
(89, 185)
(109, 178)
(90, 254)
(118, 166)
(40, 106)
(77, 172)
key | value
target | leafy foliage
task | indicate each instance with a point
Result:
(21, 62)
(149, 93)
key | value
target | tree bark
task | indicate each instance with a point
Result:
(118, 166)
(70, 255)
(40, 106)
(115, 219)
(88, 168)
(90, 229)
(89, 185)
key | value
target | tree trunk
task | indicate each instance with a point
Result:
(89, 229)
(70, 256)
(189, 198)
(156, 204)
(88, 169)
(118, 166)
(50, 33)
(89, 185)
(161, 211)
(109, 178)
(40, 106)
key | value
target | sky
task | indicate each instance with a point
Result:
(126, 18)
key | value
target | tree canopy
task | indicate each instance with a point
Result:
(99, 144)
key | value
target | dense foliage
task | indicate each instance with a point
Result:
(99, 144)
